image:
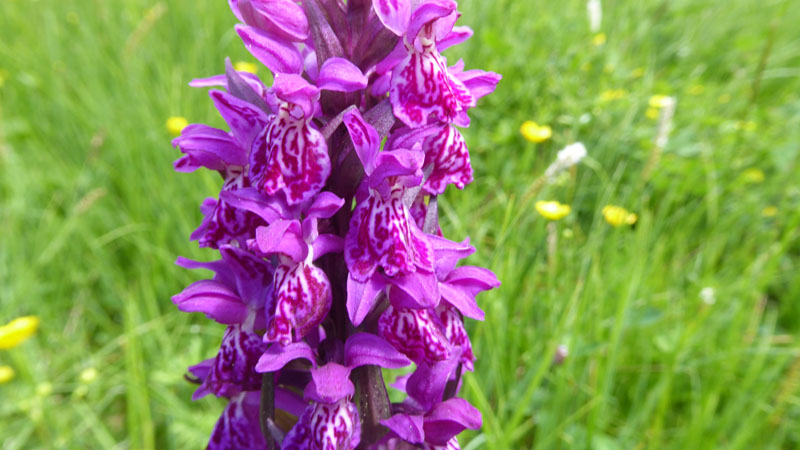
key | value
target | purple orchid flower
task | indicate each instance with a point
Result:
(333, 265)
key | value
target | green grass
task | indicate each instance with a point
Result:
(92, 218)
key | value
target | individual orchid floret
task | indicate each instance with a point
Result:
(421, 85)
(290, 155)
(238, 427)
(233, 369)
(433, 429)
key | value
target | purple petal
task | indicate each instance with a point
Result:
(276, 356)
(282, 236)
(202, 369)
(416, 333)
(284, 18)
(456, 36)
(448, 253)
(428, 12)
(464, 302)
(480, 83)
(361, 297)
(253, 275)
(426, 385)
(339, 74)
(449, 418)
(233, 370)
(406, 163)
(365, 139)
(238, 427)
(394, 14)
(245, 120)
(327, 243)
(325, 205)
(207, 147)
(302, 298)
(368, 349)
(294, 89)
(278, 55)
(407, 426)
(223, 272)
(329, 384)
(473, 279)
(415, 290)
(213, 299)
(270, 209)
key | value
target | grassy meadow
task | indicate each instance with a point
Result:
(92, 217)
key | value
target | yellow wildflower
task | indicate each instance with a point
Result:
(659, 101)
(552, 210)
(637, 72)
(613, 94)
(618, 216)
(652, 113)
(599, 39)
(696, 89)
(17, 331)
(770, 211)
(724, 98)
(534, 132)
(753, 176)
(6, 374)
(246, 66)
(176, 124)
(608, 68)
(88, 375)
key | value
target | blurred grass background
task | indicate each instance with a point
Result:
(92, 217)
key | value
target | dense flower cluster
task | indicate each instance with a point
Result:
(333, 265)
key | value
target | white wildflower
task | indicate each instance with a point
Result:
(566, 158)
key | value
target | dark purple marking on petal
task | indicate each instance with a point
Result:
(302, 298)
(234, 368)
(365, 139)
(246, 121)
(383, 234)
(421, 86)
(290, 156)
(326, 426)
(417, 333)
(238, 427)
(456, 334)
(447, 151)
